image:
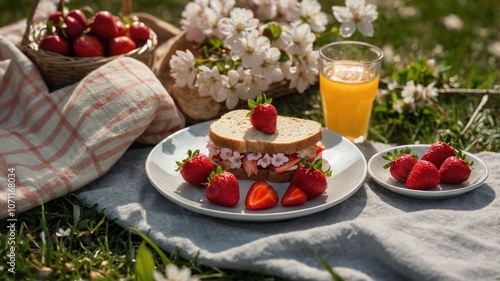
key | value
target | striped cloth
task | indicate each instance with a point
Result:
(55, 143)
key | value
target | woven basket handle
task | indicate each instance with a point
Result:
(126, 7)
(29, 22)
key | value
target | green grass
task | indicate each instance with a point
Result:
(99, 247)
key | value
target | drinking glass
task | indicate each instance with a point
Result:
(348, 81)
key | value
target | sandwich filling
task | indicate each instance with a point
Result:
(251, 162)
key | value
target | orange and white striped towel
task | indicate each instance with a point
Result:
(54, 143)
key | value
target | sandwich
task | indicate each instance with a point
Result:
(236, 145)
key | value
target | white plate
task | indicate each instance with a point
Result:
(383, 176)
(349, 171)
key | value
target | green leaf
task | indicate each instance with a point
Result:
(144, 264)
(164, 259)
(215, 42)
(273, 32)
(284, 57)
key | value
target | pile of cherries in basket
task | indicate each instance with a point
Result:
(102, 34)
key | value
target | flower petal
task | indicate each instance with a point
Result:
(342, 14)
(366, 28)
(347, 29)
(369, 13)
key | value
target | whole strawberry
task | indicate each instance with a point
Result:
(56, 44)
(122, 28)
(263, 114)
(196, 168)
(87, 45)
(120, 45)
(455, 169)
(55, 18)
(223, 188)
(400, 163)
(72, 27)
(310, 178)
(139, 32)
(424, 175)
(103, 25)
(438, 152)
(79, 16)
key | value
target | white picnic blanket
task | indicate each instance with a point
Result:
(374, 235)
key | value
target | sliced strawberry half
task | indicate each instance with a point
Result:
(320, 147)
(293, 196)
(287, 166)
(250, 166)
(260, 196)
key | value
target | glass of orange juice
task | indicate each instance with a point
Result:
(348, 82)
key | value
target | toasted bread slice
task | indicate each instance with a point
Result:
(235, 131)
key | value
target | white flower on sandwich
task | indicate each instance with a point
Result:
(233, 158)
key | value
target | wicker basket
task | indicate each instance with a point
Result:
(58, 70)
(195, 107)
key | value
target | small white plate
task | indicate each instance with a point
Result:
(348, 165)
(383, 177)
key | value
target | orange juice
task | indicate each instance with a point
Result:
(348, 90)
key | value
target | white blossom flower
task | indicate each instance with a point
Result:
(63, 233)
(182, 68)
(212, 148)
(302, 153)
(267, 9)
(254, 156)
(174, 273)
(309, 11)
(231, 89)
(301, 79)
(264, 161)
(418, 95)
(355, 15)
(408, 92)
(235, 160)
(225, 153)
(221, 7)
(381, 94)
(255, 84)
(198, 20)
(297, 37)
(208, 81)
(398, 105)
(240, 20)
(309, 59)
(453, 22)
(279, 159)
(288, 9)
(268, 66)
(494, 48)
(249, 47)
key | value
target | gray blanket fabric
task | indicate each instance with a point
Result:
(373, 235)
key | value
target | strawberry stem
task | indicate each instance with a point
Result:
(261, 99)
(392, 156)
